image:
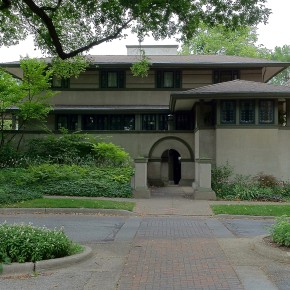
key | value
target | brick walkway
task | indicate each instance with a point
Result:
(178, 254)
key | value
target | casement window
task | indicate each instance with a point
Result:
(168, 79)
(108, 122)
(112, 79)
(220, 76)
(266, 112)
(149, 122)
(60, 83)
(228, 112)
(247, 112)
(183, 121)
(69, 122)
(163, 122)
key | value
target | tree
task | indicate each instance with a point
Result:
(28, 98)
(281, 54)
(69, 28)
(240, 42)
(220, 40)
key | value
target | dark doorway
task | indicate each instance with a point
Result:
(175, 163)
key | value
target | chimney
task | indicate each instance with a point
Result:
(152, 49)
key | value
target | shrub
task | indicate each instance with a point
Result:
(110, 154)
(266, 180)
(60, 149)
(26, 243)
(280, 231)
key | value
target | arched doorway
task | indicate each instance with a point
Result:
(171, 160)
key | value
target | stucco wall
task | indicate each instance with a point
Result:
(254, 150)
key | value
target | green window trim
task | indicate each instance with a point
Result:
(220, 76)
(112, 79)
(266, 112)
(247, 112)
(228, 112)
(168, 79)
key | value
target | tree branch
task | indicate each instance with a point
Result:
(6, 4)
(53, 9)
(47, 21)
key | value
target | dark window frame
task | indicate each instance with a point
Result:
(121, 79)
(217, 75)
(176, 82)
(265, 122)
(232, 119)
(252, 112)
(64, 83)
(71, 122)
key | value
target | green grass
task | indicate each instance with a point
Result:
(255, 210)
(73, 203)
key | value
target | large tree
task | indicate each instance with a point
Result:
(220, 40)
(69, 27)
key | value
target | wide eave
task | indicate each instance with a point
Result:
(237, 89)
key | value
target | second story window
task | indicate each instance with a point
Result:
(60, 83)
(168, 79)
(112, 79)
(220, 76)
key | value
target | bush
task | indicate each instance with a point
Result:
(266, 180)
(262, 187)
(110, 154)
(280, 231)
(56, 179)
(26, 243)
(61, 149)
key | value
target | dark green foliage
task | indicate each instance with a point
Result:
(26, 243)
(280, 231)
(63, 149)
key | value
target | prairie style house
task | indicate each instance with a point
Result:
(191, 112)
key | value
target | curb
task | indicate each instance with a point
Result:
(252, 217)
(40, 266)
(263, 249)
(118, 212)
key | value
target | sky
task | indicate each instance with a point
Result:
(274, 33)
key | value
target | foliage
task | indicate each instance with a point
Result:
(68, 28)
(266, 180)
(251, 209)
(221, 40)
(280, 231)
(26, 243)
(73, 203)
(64, 149)
(262, 187)
(28, 97)
(61, 179)
(141, 68)
(111, 154)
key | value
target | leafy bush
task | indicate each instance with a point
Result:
(110, 154)
(9, 157)
(26, 243)
(61, 149)
(280, 231)
(60, 179)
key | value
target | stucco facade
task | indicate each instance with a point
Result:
(190, 113)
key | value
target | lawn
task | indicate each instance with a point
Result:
(73, 203)
(255, 210)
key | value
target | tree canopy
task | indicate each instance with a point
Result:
(67, 28)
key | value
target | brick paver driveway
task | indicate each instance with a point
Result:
(176, 253)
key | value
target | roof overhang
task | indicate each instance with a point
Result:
(184, 101)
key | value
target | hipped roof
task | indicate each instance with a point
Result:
(270, 67)
(237, 89)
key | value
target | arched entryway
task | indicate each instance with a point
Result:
(171, 162)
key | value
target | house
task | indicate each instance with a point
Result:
(191, 113)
